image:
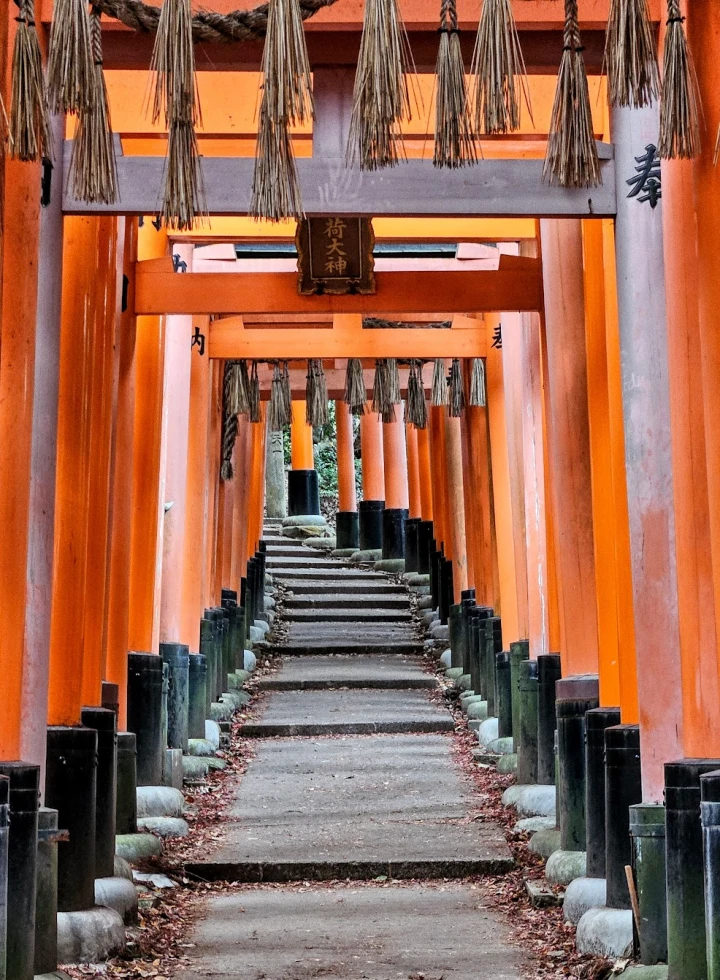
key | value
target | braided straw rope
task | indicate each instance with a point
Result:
(238, 25)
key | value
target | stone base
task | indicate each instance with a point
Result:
(375, 554)
(172, 768)
(452, 673)
(532, 825)
(137, 847)
(425, 602)
(532, 801)
(212, 733)
(343, 552)
(488, 730)
(118, 894)
(415, 578)
(164, 826)
(565, 866)
(446, 658)
(122, 869)
(606, 932)
(582, 895)
(314, 520)
(220, 711)
(394, 565)
(91, 936)
(501, 746)
(476, 708)
(321, 544)
(507, 764)
(200, 747)
(545, 842)
(658, 972)
(159, 801)
(195, 768)
(249, 660)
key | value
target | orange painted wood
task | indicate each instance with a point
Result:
(147, 502)
(223, 568)
(603, 503)
(456, 504)
(395, 463)
(239, 501)
(121, 527)
(623, 566)
(371, 455)
(257, 469)
(19, 237)
(301, 438)
(426, 500)
(104, 299)
(413, 466)
(700, 664)
(213, 480)
(197, 496)
(438, 466)
(67, 621)
(570, 443)
(484, 557)
(555, 632)
(502, 507)
(347, 494)
(276, 292)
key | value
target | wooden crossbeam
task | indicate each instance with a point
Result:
(516, 286)
(229, 339)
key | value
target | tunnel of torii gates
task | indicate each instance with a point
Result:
(575, 501)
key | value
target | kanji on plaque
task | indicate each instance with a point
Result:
(335, 255)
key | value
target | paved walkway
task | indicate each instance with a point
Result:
(353, 782)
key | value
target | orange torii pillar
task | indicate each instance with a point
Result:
(176, 424)
(424, 474)
(436, 425)
(396, 487)
(347, 521)
(413, 466)
(303, 490)
(213, 480)
(373, 480)
(456, 504)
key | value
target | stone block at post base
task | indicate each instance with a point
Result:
(126, 794)
(347, 530)
(549, 673)
(606, 932)
(70, 788)
(596, 721)
(687, 950)
(173, 768)
(137, 847)
(145, 684)
(104, 722)
(526, 743)
(119, 894)
(412, 525)
(623, 789)
(303, 493)
(46, 959)
(575, 697)
(90, 936)
(370, 518)
(647, 833)
(581, 895)
(21, 869)
(197, 694)
(177, 658)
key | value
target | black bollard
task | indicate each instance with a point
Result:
(347, 530)
(687, 951)
(393, 532)
(22, 868)
(105, 724)
(223, 644)
(455, 629)
(623, 789)
(435, 556)
(549, 671)
(126, 794)
(70, 788)
(207, 649)
(217, 619)
(425, 536)
(46, 898)
(467, 602)
(144, 708)
(411, 543)
(227, 647)
(493, 645)
(503, 694)
(710, 815)
(176, 656)
(475, 627)
(527, 743)
(519, 651)
(370, 517)
(250, 597)
(197, 700)
(4, 843)
(647, 833)
(303, 493)
(596, 721)
(110, 696)
(575, 697)
(446, 589)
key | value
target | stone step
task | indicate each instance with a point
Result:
(302, 561)
(389, 672)
(304, 599)
(308, 648)
(288, 551)
(347, 615)
(332, 573)
(356, 807)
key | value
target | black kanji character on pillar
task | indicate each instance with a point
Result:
(646, 182)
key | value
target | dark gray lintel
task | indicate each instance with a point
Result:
(492, 188)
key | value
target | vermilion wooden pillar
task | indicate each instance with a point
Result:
(437, 465)
(413, 464)
(569, 443)
(301, 444)
(347, 493)
(395, 463)
(147, 496)
(425, 475)
(371, 452)
(121, 526)
(485, 558)
(456, 504)
(700, 664)
(213, 478)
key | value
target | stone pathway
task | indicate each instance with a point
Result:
(352, 806)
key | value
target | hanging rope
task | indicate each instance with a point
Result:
(316, 394)
(355, 394)
(439, 384)
(454, 135)
(229, 424)
(29, 136)
(679, 106)
(498, 70)
(478, 393)
(633, 75)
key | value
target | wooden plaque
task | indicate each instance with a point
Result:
(335, 256)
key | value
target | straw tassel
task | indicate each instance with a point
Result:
(254, 393)
(454, 136)
(70, 72)
(286, 101)
(381, 98)
(457, 394)
(394, 379)
(679, 106)
(175, 100)
(478, 393)
(439, 384)
(277, 410)
(316, 394)
(30, 138)
(416, 404)
(93, 168)
(355, 393)
(572, 159)
(286, 393)
(633, 76)
(230, 423)
(382, 401)
(239, 393)
(498, 69)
